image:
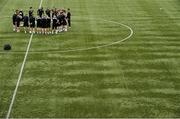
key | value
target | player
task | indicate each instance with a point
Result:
(64, 21)
(21, 13)
(54, 12)
(48, 23)
(39, 25)
(32, 24)
(40, 12)
(60, 21)
(48, 12)
(26, 23)
(31, 11)
(18, 20)
(14, 20)
(69, 18)
(43, 24)
(54, 24)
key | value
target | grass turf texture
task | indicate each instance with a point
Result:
(136, 78)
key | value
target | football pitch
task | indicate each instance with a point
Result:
(121, 58)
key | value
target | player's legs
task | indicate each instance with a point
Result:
(65, 28)
(61, 28)
(18, 27)
(25, 29)
(14, 26)
(69, 23)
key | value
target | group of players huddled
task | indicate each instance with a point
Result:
(50, 21)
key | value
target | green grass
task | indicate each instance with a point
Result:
(136, 78)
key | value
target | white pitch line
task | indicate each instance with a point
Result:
(19, 78)
(20, 74)
(41, 4)
(96, 47)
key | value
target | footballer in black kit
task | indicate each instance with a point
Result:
(40, 12)
(48, 12)
(48, 24)
(54, 24)
(14, 20)
(69, 18)
(18, 20)
(64, 22)
(32, 24)
(21, 13)
(31, 11)
(39, 24)
(59, 22)
(43, 21)
(52, 21)
(26, 23)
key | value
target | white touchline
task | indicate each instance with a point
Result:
(19, 77)
(41, 4)
(20, 74)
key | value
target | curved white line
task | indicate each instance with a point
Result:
(96, 47)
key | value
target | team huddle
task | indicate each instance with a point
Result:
(47, 22)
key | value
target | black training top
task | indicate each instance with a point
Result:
(69, 15)
(43, 20)
(30, 13)
(32, 19)
(48, 12)
(60, 17)
(38, 20)
(18, 18)
(14, 17)
(26, 19)
(40, 12)
(48, 20)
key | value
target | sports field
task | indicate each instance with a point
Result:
(121, 58)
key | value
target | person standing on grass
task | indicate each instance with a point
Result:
(69, 17)
(64, 20)
(54, 24)
(59, 22)
(54, 12)
(40, 12)
(48, 23)
(21, 13)
(43, 24)
(48, 12)
(18, 20)
(39, 25)
(32, 24)
(31, 11)
(14, 20)
(26, 23)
